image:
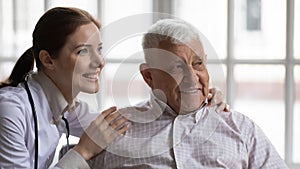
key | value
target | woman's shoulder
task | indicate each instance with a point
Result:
(13, 101)
(10, 92)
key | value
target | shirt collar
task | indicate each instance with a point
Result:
(197, 114)
(56, 100)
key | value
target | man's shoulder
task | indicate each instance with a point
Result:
(236, 121)
(142, 112)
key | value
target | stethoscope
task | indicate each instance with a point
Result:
(36, 139)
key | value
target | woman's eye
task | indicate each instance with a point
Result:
(82, 52)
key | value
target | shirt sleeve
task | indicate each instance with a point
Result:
(13, 149)
(262, 154)
(72, 160)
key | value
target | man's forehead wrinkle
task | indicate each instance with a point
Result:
(187, 50)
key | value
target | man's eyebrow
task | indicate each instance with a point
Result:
(200, 56)
(176, 61)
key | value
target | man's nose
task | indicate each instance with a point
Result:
(190, 76)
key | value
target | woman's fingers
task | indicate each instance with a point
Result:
(221, 107)
(124, 128)
(118, 133)
(118, 123)
(215, 97)
(107, 123)
(105, 129)
(227, 108)
(108, 111)
(112, 117)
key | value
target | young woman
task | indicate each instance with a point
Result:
(36, 108)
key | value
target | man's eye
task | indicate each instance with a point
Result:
(82, 52)
(179, 67)
(99, 50)
(176, 69)
(198, 63)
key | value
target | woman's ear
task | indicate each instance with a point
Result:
(146, 73)
(46, 60)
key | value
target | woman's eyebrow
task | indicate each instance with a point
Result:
(86, 45)
(81, 45)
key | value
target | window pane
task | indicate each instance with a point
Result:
(260, 28)
(217, 75)
(5, 70)
(90, 5)
(297, 30)
(210, 17)
(124, 48)
(123, 26)
(296, 156)
(260, 96)
(17, 21)
(122, 85)
(113, 10)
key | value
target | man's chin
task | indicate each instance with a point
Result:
(186, 109)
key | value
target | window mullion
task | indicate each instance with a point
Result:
(230, 52)
(46, 5)
(165, 6)
(289, 88)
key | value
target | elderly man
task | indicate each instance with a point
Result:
(176, 128)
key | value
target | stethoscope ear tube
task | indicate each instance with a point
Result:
(36, 140)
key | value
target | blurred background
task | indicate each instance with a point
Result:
(257, 43)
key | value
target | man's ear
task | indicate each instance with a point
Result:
(146, 73)
(46, 60)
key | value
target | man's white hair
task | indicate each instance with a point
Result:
(175, 30)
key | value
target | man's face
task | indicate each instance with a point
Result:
(180, 77)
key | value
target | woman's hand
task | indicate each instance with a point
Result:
(107, 127)
(215, 97)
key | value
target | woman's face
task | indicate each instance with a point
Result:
(79, 63)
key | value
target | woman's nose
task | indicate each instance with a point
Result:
(97, 60)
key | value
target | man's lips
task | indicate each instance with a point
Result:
(190, 90)
(93, 76)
